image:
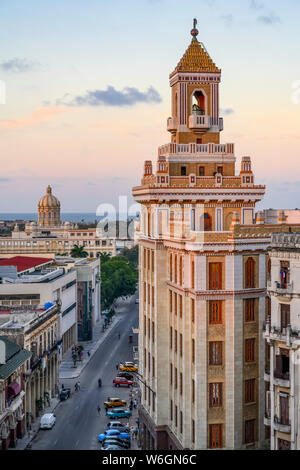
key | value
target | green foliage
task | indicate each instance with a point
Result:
(78, 252)
(104, 257)
(119, 278)
(132, 255)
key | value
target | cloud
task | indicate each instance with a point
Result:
(112, 97)
(227, 111)
(269, 19)
(38, 116)
(228, 19)
(18, 65)
(256, 5)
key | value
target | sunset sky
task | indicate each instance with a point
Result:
(88, 97)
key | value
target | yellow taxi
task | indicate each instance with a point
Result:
(128, 367)
(114, 402)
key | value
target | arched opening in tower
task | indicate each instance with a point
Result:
(198, 103)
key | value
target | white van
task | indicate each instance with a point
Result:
(47, 421)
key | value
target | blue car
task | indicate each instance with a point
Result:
(114, 433)
(118, 413)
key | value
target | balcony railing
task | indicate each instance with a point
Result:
(180, 150)
(204, 122)
(172, 124)
(282, 424)
(281, 375)
(283, 289)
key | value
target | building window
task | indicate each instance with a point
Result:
(284, 274)
(250, 350)
(283, 444)
(153, 332)
(180, 345)
(215, 312)
(250, 274)
(215, 436)
(153, 296)
(170, 297)
(181, 422)
(180, 270)
(282, 370)
(250, 391)
(205, 223)
(220, 170)
(193, 274)
(250, 431)
(201, 171)
(193, 351)
(193, 310)
(215, 353)
(181, 383)
(215, 395)
(171, 337)
(175, 302)
(176, 416)
(152, 260)
(183, 171)
(284, 316)
(193, 391)
(193, 431)
(171, 410)
(180, 306)
(153, 367)
(215, 276)
(171, 374)
(249, 310)
(175, 269)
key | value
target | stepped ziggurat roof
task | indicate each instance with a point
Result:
(196, 58)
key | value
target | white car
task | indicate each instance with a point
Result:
(47, 421)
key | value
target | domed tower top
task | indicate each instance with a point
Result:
(49, 210)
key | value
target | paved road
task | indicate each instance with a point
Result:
(77, 421)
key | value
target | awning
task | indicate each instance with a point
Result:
(14, 389)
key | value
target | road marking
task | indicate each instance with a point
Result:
(55, 442)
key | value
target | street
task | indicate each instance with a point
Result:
(77, 420)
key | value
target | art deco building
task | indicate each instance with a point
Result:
(282, 332)
(202, 278)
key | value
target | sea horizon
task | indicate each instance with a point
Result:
(75, 217)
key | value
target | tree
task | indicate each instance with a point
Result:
(132, 255)
(78, 252)
(119, 278)
(104, 257)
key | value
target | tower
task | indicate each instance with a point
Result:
(49, 210)
(202, 283)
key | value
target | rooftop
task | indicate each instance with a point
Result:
(25, 263)
(14, 357)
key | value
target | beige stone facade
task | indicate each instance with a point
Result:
(202, 279)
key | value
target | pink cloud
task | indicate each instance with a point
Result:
(39, 115)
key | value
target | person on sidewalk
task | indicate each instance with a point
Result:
(117, 366)
(89, 354)
(135, 403)
(99, 410)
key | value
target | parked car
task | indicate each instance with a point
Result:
(114, 433)
(112, 447)
(120, 381)
(118, 413)
(126, 375)
(65, 394)
(47, 421)
(116, 441)
(129, 366)
(118, 425)
(112, 402)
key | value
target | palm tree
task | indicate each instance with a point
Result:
(78, 252)
(104, 257)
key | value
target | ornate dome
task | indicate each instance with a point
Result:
(49, 210)
(49, 200)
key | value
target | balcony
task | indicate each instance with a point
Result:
(282, 425)
(172, 124)
(281, 379)
(267, 418)
(283, 289)
(180, 151)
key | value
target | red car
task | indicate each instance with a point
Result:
(118, 381)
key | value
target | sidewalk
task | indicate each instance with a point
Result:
(66, 367)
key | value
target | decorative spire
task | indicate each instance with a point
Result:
(49, 189)
(195, 31)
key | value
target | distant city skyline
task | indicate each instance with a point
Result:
(87, 93)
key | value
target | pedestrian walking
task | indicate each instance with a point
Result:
(62, 386)
(117, 366)
(106, 409)
(135, 403)
(135, 433)
(131, 402)
(130, 407)
(88, 353)
(99, 410)
(78, 385)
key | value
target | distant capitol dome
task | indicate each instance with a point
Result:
(49, 210)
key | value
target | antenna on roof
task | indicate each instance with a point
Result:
(195, 31)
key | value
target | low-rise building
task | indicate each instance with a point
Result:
(282, 333)
(13, 364)
(40, 285)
